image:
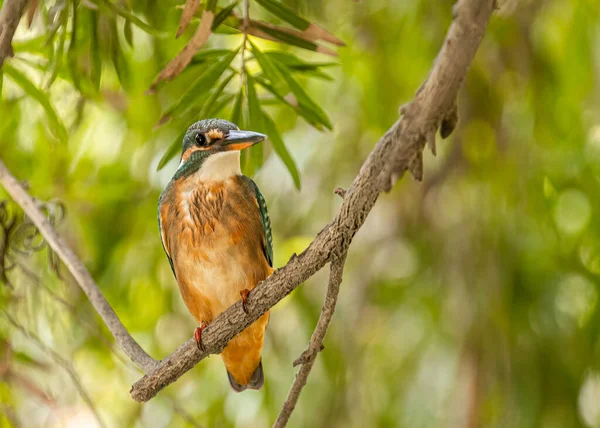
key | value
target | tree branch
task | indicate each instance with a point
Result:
(399, 149)
(10, 15)
(308, 357)
(133, 350)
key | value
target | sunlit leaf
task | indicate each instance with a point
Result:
(172, 151)
(115, 8)
(223, 15)
(214, 96)
(304, 100)
(201, 86)
(270, 129)
(207, 54)
(285, 13)
(128, 33)
(255, 158)
(293, 62)
(56, 124)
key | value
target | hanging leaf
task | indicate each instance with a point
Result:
(304, 100)
(310, 117)
(115, 9)
(293, 62)
(128, 32)
(172, 151)
(207, 54)
(236, 111)
(309, 29)
(183, 58)
(279, 147)
(255, 155)
(215, 108)
(223, 15)
(56, 124)
(285, 35)
(214, 96)
(199, 88)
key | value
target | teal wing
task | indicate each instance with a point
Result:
(162, 238)
(264, 216)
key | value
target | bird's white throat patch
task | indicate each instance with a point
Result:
(220, 166)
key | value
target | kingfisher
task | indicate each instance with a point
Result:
(216, 232)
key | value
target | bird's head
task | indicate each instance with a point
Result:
(212, 146)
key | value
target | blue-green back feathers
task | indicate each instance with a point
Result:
(266, 222)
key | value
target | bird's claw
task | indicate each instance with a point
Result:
(244, 295)
(198, 336)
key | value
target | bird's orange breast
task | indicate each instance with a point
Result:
(213, 234)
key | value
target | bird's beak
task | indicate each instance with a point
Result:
(238, 140)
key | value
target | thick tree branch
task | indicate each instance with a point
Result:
(133, 350)
(308, 357)
(10, 15)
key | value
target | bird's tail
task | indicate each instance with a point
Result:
(256, 380)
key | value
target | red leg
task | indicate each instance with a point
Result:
(244, 295)
(198, 335)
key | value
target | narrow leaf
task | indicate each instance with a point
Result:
(200, 87)
(279, 147)
(172, 151)
(56, 124)
(223, 15)
(236, 111)
(308, 115)
(215, 108)
(303, 98)
(183, 58)
(255, 158)
(285, 13)
(214, 96)
(128, 32)
(292, 61)
(115, 9)
(190, 8)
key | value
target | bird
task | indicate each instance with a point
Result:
(216, 233)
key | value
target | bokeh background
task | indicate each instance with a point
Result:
(470, 299)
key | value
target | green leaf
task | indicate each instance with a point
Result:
(218, 106)
(310, 117)
(270, 70)
(128, 32)
(72, 51)
(214, 96)
(200, 87)
(293, 62)
(115, 9)
(172, 151)
(255, 158)
(96, 61)
(285, 13)
(211, 5)
(288, 38)
(223, 15)
(279, 147)
(236, 110)
(304, 101)
(207, 54)
(56, 124)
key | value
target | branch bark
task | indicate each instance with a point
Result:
(133, 350)
(398, 150)
(10, 15)
(308, 357)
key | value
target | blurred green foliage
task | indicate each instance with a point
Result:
(470, 299)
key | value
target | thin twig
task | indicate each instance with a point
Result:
(83, 278)
(58, 359)
(10, 15)
(308, 357)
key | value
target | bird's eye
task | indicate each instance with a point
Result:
(200, 140)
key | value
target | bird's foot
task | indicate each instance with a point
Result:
(198, 336)
(244, 295)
